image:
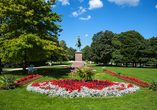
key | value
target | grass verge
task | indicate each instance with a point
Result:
(21, 99)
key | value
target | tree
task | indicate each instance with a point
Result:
(102, 46)
(2, 20)
(116, 46)
(95, 47)
(64, 51)
(30, 31)
(153, 48)
(86, 53)
(71, 53)
(131, 42)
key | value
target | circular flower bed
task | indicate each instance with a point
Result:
(79, 88)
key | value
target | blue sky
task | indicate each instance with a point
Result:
(87, 17)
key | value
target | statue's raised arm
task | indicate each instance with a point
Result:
(78, 43)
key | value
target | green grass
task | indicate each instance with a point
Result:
(21, 99)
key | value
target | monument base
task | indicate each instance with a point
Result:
(78, 60)
(78, 64)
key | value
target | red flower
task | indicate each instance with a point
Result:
(1, 86)
(14, 86)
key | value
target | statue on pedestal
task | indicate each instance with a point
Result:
(78, 44)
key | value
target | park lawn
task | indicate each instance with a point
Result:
(21, 99)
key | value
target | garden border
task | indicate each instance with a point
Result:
(132, 81)
(29, 80)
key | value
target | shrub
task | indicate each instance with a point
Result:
(85, 73)
(7, 81)
(118, 74)
(153, 86)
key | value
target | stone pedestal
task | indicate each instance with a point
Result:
(78, 60)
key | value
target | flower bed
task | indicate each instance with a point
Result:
(47, 72)
(129, 79)
(27, 79)
(79, 88)
(90, 66)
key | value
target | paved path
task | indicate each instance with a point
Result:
(34, 67)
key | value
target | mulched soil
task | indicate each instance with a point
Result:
(29, 80)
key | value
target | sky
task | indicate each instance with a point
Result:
(88, 17)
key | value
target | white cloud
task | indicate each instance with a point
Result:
(95, 4)
(80, 0)
(156, 6)
(86, 35)
(79, 12)
(75, 14)
(64, 2)
(85, 18)
(126, 2)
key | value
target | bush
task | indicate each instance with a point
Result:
(118, 74)
(153, 86)
(9, 64)
(7, 81)
(85, 73)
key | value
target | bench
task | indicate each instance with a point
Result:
(31, 70)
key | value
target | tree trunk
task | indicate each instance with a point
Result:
(24, 64)
(140, 64)
(135, 64)
(104, 63)
(126, 64)
(156, 65)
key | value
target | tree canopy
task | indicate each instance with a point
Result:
(71, 53)
(86, 53)
(131, 41)
(29, 34)
(102, 46)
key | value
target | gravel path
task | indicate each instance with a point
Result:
(34, 67)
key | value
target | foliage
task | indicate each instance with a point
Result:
(152, 55)
(119, 74)
(86, 53)
(85, 73)
(64, 51)
(116, 54)
(10, 64)
(130, 45)
(30, 33)
(7, 81)
(102, 47)
(71, 53)
(153, 85)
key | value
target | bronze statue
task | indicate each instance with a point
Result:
(78, 43)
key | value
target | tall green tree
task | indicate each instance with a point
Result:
(95, 47)
(153, 48)
(71, 53)
(116, 46)
(86, 53)
(131, 42)
(28, 34)
(62, 44)
(102, 46)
